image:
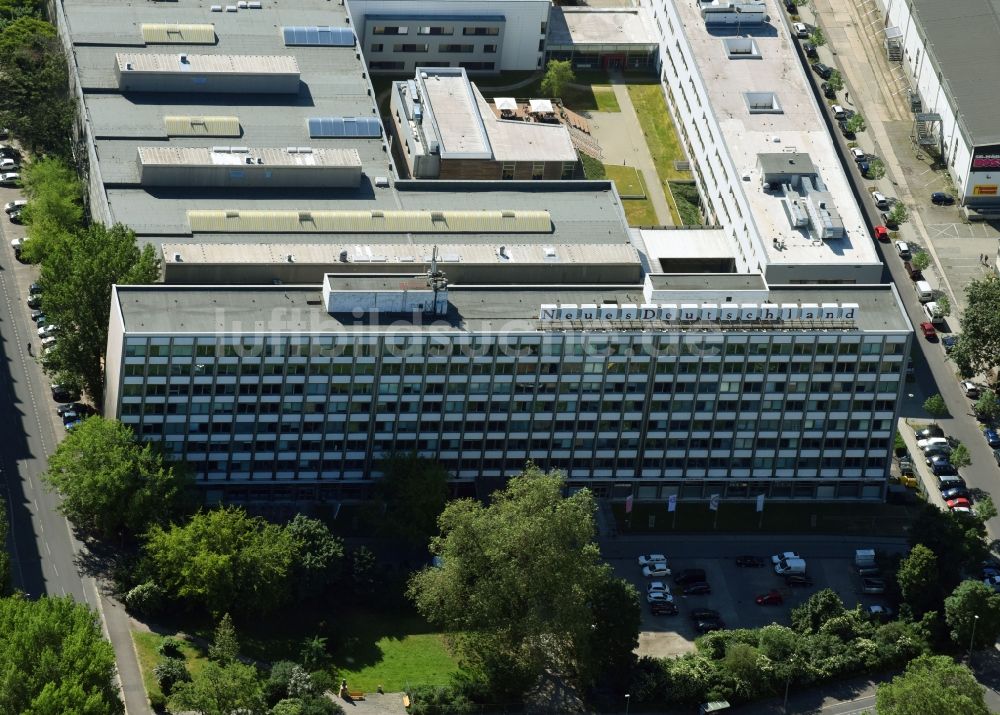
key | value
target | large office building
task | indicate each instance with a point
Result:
(318, 312)
(946, 49)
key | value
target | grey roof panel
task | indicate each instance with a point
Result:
(319, 35)
(338, 127)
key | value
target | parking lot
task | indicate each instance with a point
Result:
(830, 564)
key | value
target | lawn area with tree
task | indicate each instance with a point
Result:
(932, 684)
(978, 348)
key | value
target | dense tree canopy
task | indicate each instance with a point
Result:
(414, 490)
(77, 275)
(224, 560)
(221, 690)
(978, 348)
(318, 555)
(932, 684)
(973, 604)
(558, 73)
(55, 205)
(519, 581)
(54, 659)
(111, 483)
(919, 581)
(956, 540)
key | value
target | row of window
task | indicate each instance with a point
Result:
(505, 346)
(476, 31)
(418, 48)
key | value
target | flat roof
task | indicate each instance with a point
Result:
(684, 243)
(516, 140)
(412, 253)
(206, 64)
(963, 40)
(451, 108)
(238, 156)
(578, 27)
(707, 281)
(173, 309)
(798, 128)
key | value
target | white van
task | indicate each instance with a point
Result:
(933, 312)
(925, 294)
(790, 566)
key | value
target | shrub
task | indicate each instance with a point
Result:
(323, 680)
(145, 599)
(429, 700)
(170, 647)
(169, 672)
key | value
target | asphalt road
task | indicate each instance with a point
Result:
(47, 559)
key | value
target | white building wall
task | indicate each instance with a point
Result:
(522, 33)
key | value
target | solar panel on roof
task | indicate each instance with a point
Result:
(342, 127)
(319, 35)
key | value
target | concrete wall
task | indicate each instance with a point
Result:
(188, 82)
(251, 175)
(113, 359)
(519, 40)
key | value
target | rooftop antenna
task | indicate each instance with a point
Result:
(434, 261)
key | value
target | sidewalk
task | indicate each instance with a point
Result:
(621, 138)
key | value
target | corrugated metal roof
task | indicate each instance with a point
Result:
(389, 221)
(189, 126)
(241, 156)
(343, 127)
(208, 64)
(319, 35)
(173, 34)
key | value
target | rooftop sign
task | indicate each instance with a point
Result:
(693, 312)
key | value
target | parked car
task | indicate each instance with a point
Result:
(928, 331)
(929, 431)
(940, 198)
(903, 250)
(992, 437)
(865, 571)
(936, 450)
(657, 569)
(34, 301)
(749, 561)
(659, 597)
(663, 608)
(709, 624)
(810, 49)
(64, 394)
(16, 218)
(956, 493)
(993, 581)
(882, 202)
(10, 178)
(771, 598)
(784, 555)
(822, 70)
(970, 389)
(951, 481)
(828, 91)
(890, 222)
(863, 167)
(880, 612)
(12, 206)
(647, 559)
(703, 614)
(931, 441)
(37, 316)
(35, 289)
(872, 585)
(792, 580)
(698, 588)
(881, 233)
(942, 466)
(689, 576)
(791, 7)
(996, 456)
(858, 154)
(949, 342)
(801, 30)
(845, 130)
(959, 504)
(838, 111)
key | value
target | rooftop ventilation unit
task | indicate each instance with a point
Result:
(381, 181)
(231, 8)
(216, 8)
(254, 5)
(242, 5)
(177, 258)
(344, 257)
(290, 258)
(183, 59)
(305, 216)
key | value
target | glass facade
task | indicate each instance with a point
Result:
(790, 415)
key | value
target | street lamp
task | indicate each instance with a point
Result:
(972, 640)
(628, 696)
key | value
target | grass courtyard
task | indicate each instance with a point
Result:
(635, 197)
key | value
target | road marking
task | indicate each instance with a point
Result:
(47, 548)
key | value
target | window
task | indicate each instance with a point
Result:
(376, 48)
(568, 170)
(762, 103)
(440, 30)
(537, 170)
(489, 49)
(544, 27)
(411, 47)
(456, 49)
(741, 48)
(387, 66)
(507, 172)
(389, 30)
(481, 31)
(477, 66)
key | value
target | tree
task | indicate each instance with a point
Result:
(313, 653)
(558, 73)
(921, 260)
(517, 581)
(944, 306)
(987, 406)
(918, 580)
(225, 647)
(817, 37)
(414, 490)
(609, 654)
(960, 456)
(978, 350)
(817, 610)
(221, 690)
(14, 9)
(55, 205)
(225, 561)
(970, 601)
(985, 508)
(935, 406)
(957, 542)
(170, 671)
(856, 123)
(876, 169)
(932, 684)
(76, 278)
(898, 213)
(111, 483)
(362, 573)
(836, 80)
(36, 104)
(54, 659)
(318, 555)
(4, 556)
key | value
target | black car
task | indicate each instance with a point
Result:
(16, 218)
(64, 394)
(698, 588)
(956, 493)
(663, 608)
(705, 614)
(887, 218)
(749, 561)
(845, 129)
(36, 315)
(798, 580)
(940, 198)
(952, 482)
(810, 49)
(949, 342)
(930, 431)
(822, 70)
(689, 576)
(828, 91)
(996, 456)
(35, 289)
(35, 301)
(791, 7)
(709, 624)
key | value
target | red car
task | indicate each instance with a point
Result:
(881, 233)
(928, 330)
(959, 503)
(772, 598)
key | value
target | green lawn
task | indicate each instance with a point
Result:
(146, 645)
(630, 182)
(856, 519)
(604, 97)
(658, 127)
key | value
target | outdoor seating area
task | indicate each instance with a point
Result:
(546, 111)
